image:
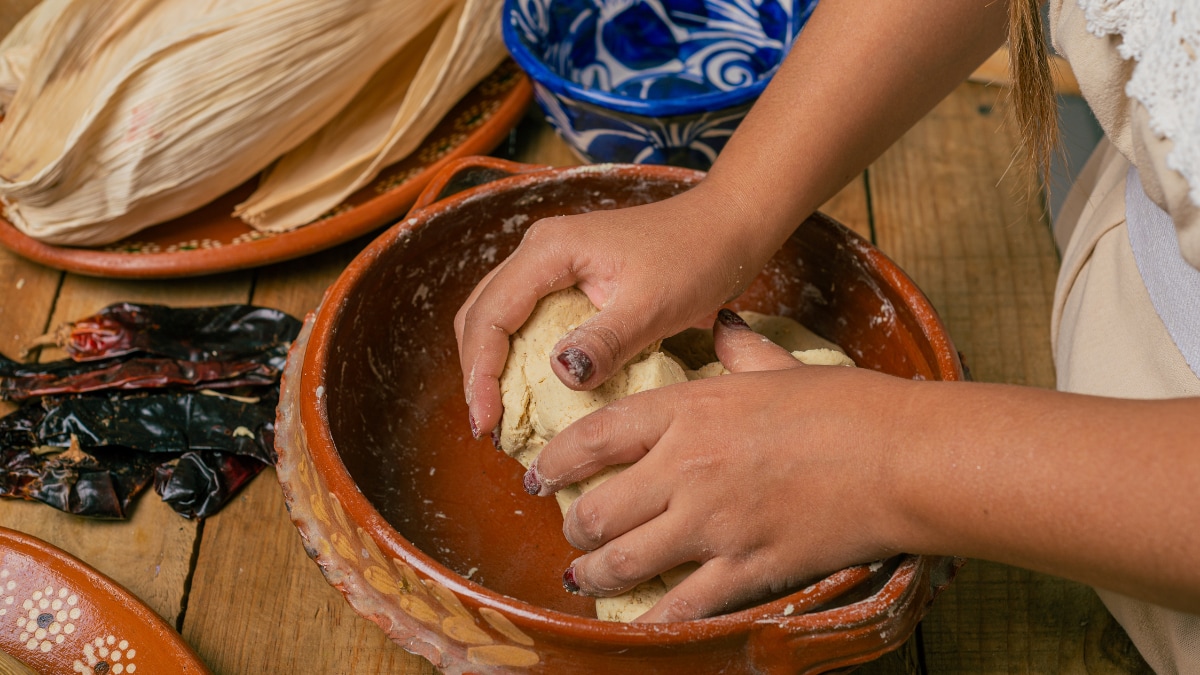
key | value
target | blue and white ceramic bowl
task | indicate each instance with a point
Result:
(650, 81)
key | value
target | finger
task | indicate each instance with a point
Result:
(631, 559)
(590, 354)
(716, 588)
(460, 317)
(615, 507)
(499, 310)
(459, 323)
(705, 322)
(741, 350)
(620, 433)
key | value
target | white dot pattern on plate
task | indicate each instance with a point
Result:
(42, 618)
(105, 655)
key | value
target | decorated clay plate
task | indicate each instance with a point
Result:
(210, 240)
(58, 615)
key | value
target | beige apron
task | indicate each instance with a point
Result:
(1108, 341)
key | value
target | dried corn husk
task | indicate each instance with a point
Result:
(384, 124)
(137, 111)
(16, 50)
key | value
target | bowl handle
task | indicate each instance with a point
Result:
(468, 172)
(865, 630)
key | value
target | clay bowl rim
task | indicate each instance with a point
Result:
(326, 460)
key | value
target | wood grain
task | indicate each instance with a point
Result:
(1000, 619)
(850, 207)
(978, 245)
(11, 665)
(28, 291)
(950, 210)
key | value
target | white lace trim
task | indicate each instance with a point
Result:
(1163, 37)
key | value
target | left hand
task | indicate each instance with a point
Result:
(768, 477)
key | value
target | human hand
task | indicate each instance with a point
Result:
(653, 270)
(768, 477)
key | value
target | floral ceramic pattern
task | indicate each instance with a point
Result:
(106, 655)
(597, 136)
(48, 616)
(650, 81)
(660, 49)
(44, 617)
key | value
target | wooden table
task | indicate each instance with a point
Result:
(944, 203)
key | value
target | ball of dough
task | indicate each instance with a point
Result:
(536, 404)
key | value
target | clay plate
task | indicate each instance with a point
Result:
(59, 615)
(210, 240)
(428, 532)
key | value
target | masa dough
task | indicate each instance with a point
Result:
(694, 346)
(537, 405)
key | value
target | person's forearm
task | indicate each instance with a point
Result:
(859, 75)
(1103, 491)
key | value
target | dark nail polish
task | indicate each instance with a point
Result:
(730, 319)
(569, 580)
(533, 484)
(578, 364)
(496, 437)
(474, 427)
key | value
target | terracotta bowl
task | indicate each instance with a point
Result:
(428, 532)
(59, 615)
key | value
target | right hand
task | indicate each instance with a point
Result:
(767, 478)
(652, 270)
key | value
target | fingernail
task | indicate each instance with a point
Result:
(569, 580)
(474, 427)
(578, 364)
(496, 437)
(730, 319)
(533, 484)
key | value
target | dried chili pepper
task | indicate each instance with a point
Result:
(163, 422)
(20, 381)
(134, 404)
(19, 428)
(75, 481)
(186, 333)
(224, 441)
(197, 485)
